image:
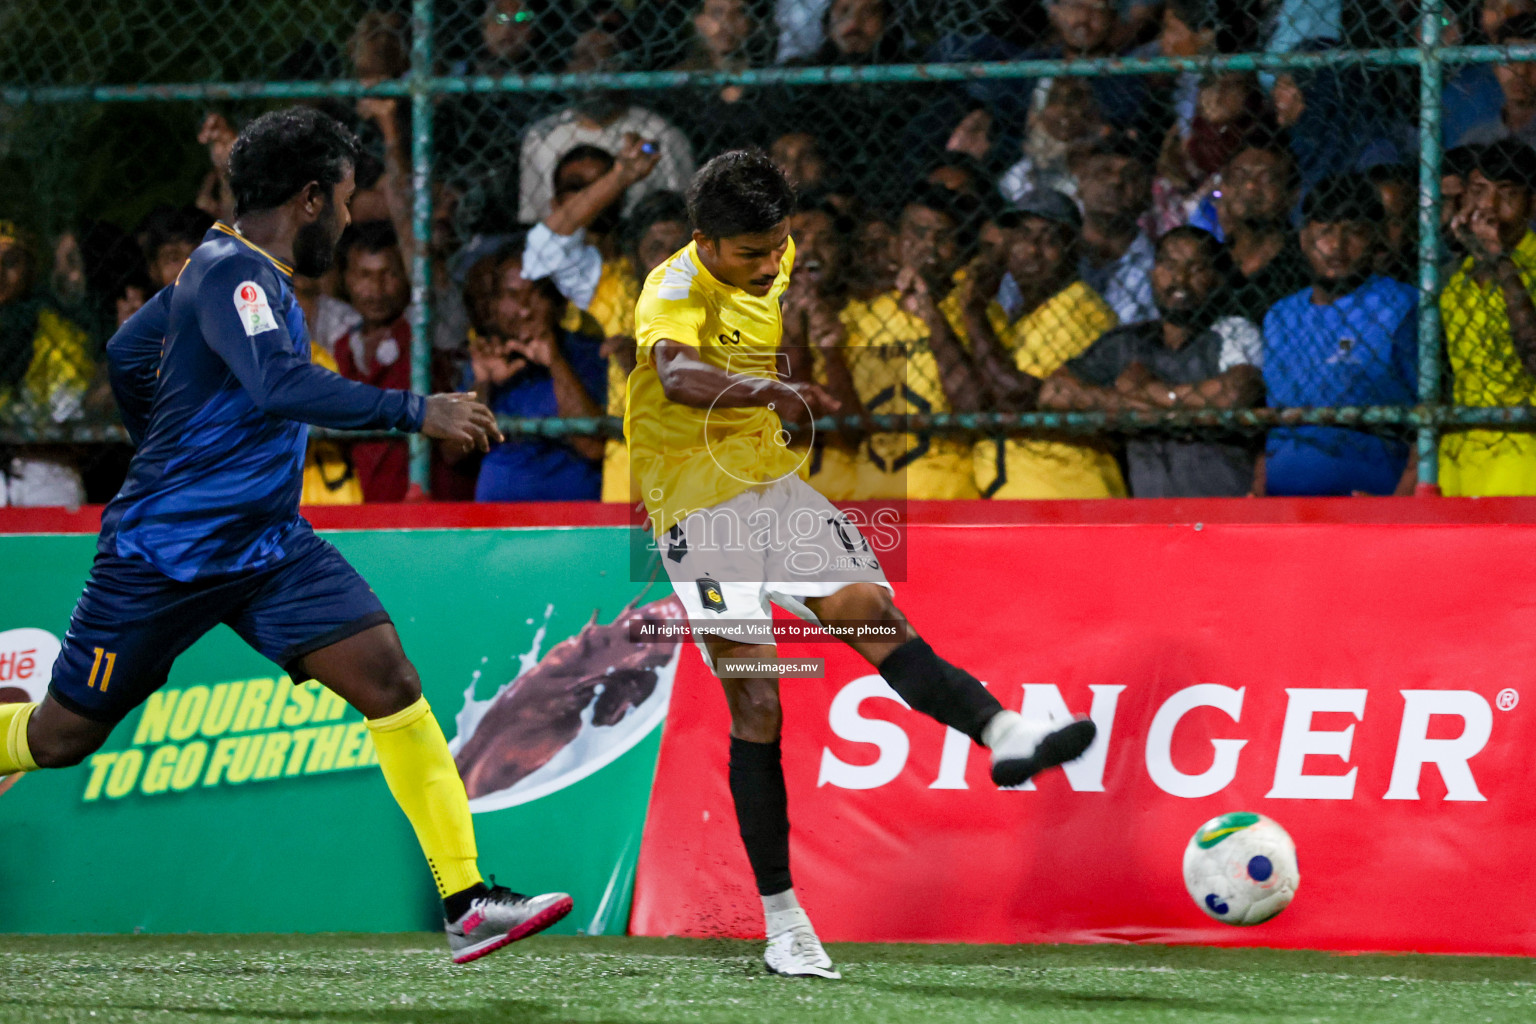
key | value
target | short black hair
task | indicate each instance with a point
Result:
(655, 208)
(112, 261)
(1277, 143)
(1518, 26)
(1221, 258)
(826, 15)
(1343, 197)
(1507, 161)
(166, 224)
(369, 166)
(843, 224)
(575, 155)
(739, 192)
(1120, 143)
(963, 209)
(959, 207)
(282, 151)
(1195, 14)
(512, 251)
(1393, 174)
(981, 178)
(1134, 146)
(1459, 162)
(369, 236)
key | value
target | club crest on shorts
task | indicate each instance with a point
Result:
(709, 593)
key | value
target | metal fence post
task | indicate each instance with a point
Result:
(1431, 77)
(421, 231)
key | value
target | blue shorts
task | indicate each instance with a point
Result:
(133, 621)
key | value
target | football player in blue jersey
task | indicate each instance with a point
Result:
(216, 387)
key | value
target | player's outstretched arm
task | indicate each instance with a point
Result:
(133, 361)
(235, 315)
(688, 380)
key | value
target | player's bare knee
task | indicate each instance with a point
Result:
(762, 701)
(758, 722)
(865, 602)
(756, 714)
(399, 686)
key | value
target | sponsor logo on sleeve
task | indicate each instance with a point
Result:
(255, 312)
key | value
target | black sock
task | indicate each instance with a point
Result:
(456, 905)
(938, 689)
(762, 811)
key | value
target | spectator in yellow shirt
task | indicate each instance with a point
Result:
(1060, 317)
(653, 233)
(907, 355)
(329, 478)
(814, 339)
(46, 373)
(577, 246)
(1490, 322)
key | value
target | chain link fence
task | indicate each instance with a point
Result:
(1054, 248)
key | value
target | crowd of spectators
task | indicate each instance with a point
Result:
(1118, 243)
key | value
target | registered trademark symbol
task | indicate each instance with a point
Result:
(1507, 699)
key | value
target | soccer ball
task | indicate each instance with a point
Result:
(1241, 868)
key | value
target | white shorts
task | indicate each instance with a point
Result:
(776, 543)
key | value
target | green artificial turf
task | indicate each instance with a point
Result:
(407, 979)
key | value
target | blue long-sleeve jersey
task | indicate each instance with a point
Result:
(216, 387)
(133, 362)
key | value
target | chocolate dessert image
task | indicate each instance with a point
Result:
(590, 681)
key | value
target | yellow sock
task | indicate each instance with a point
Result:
(15, 756)
(425, 782)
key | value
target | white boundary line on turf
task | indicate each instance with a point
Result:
(1132, 969)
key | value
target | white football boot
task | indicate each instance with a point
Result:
(1022, 749)
(501, 917)
(796, 952)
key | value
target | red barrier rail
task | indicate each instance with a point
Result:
(483, 516)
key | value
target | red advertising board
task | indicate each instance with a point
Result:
(1366, 685)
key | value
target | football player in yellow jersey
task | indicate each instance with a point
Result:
(907, 354)
(738, 528)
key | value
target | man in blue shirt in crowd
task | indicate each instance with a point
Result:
(217, 387)
(528, 364)
(1349, 339)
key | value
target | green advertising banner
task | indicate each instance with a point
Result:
(234, 801)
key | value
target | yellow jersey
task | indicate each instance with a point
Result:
(834, 470)
(1487, 371)
(684, 458)
(58, 375)
(613, 307)
(895, 372)
(329, 478)
(1057, 330)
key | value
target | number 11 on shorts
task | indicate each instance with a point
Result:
(111, 660)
